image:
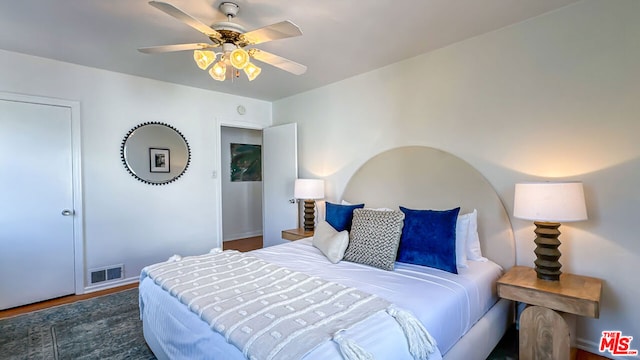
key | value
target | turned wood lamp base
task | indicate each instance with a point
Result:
(309, 217)
(547, 253)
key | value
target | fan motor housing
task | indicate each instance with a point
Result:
(233, 36)
(230, 31)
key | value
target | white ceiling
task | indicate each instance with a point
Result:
(341, 38)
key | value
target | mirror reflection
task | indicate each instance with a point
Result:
(155, 153)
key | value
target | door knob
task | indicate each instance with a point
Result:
(67, 212)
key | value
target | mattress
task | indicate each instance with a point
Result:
(447, 304)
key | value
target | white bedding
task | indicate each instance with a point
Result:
(447, 304)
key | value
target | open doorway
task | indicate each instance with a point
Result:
(241, 182)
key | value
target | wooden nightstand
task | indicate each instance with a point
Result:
(296, 234)
(545, 333)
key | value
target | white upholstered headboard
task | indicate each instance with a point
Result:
(421, 177)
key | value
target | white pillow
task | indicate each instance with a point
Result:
(473, 240)
(462, 229)
(331, 242)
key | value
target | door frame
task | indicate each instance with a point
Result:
(76, 175)
(217, 172)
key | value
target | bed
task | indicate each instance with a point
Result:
(461, 312)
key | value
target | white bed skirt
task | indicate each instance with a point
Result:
(483, 337)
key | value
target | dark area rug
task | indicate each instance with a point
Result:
(106, 327)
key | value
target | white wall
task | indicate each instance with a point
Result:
(241, 200)
(557, 96)
(127, 221)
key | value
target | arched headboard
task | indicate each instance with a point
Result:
(421, 177)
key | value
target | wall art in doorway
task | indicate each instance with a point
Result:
(246, 162)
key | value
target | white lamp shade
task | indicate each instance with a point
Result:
(308, 189)
(550, 201)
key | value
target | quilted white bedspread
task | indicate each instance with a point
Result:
(266, 311)
(447, 304)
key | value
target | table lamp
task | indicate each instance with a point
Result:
(309, 190)
(548, 204)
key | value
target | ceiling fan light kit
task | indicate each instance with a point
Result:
(204, 58)
(232, 38)
(252, 71)
(239, 58)
(219, 71)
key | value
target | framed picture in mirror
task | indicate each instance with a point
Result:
(159, 160)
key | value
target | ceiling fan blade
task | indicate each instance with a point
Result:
(281, 30)
(185, 18)
(172, 48)
(278, 61)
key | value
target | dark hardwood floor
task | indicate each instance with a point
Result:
(584, 355)
(61, 301)
(247, 244)
(507, 349)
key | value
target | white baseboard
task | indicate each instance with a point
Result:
(242, 235)
(591, 347)
(110, 284)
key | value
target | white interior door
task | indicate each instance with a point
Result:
(36, 203)
(279, 172)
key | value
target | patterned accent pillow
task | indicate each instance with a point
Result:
(374, 238)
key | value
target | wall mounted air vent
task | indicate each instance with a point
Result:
(108, 273)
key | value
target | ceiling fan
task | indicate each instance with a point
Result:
(232, 39)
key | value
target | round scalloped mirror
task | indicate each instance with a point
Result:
(155, 153)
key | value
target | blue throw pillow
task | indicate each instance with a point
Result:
(340, 216)
(429, 238)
